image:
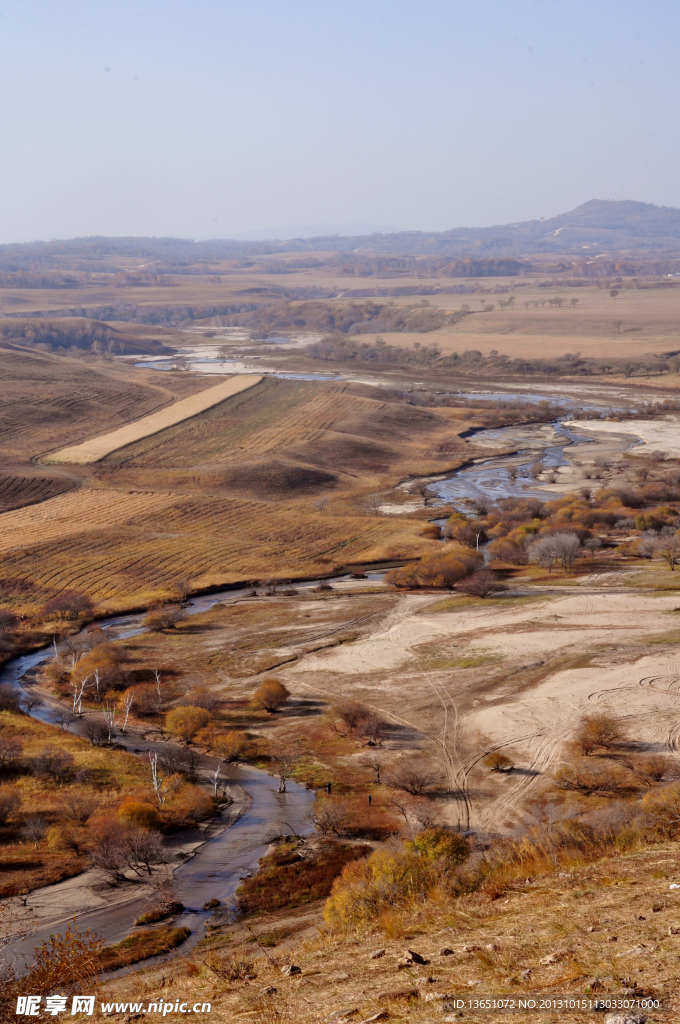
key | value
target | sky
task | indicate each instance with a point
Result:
(215, 118)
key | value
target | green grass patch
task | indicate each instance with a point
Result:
(140, 946)
(285, 879)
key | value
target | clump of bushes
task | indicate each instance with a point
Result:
(438, 571)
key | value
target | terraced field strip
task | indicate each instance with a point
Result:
(76, 512)
(99, 447)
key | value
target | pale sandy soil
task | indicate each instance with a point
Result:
(98, 447)
(412, 669)
(75, 512)
(658, 435)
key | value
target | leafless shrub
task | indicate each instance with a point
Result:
(200, 696)
(411, 777)
(650, 769)
(54, 764)
(590, 777)
(10, 801)
(96, 732)
(284, 760)
(331, 817)
(180, 760)
(10, 753)
(78, 807)
(497, 761)
(167, 617)
(63, 717)
(598, 731)
(482, 583)
(34, 829)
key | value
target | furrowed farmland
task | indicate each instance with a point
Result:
(229, 495)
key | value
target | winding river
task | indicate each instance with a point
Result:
(216, 867)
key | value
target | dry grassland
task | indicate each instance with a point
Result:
(99, 447)
(605, 926)
(648, 325)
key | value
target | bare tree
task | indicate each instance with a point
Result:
(374, 762)
(63, 717)
(126, 707)
(96, 731)
(54, 764)
(142, 846)
(554, 549)
(331, 817)
(109, 714)
(284, 761)
(34, 829)
(669, 551)
(157, 780)
(215, 777)
(79, 687)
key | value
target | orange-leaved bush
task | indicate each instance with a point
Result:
(139, 814)
(440, 570)
(270, 695)
(186, 722)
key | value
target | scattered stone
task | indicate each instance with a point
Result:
(635, 951)
(398, 993)
(291, 969)
(590, 928)
(269, 991)
(526, 975)
(470, 949)
(551, 958)
(211, 904)
(426, 981)
(673, 929)
(433, 997)
(674, 885)
(446, 951)
(641, 918)
(629, 992)
(339, 1015)
(594, 986)
(377, 953)
(380, 1015)
(415, 958)
(612, 938)
(491, 946)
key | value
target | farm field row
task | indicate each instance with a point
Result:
(98, 447)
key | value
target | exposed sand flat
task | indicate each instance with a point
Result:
(99, 447)
(75, 512)
(663, 435)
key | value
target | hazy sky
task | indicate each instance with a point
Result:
(206, 118)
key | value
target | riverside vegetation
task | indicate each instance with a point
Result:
(287, 481)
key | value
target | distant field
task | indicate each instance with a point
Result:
(98, 447)
(19, 491)
(635, 323)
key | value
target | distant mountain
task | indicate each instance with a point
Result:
(595, 227)
(599, 226)
(288, 231)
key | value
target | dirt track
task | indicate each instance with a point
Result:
(526, 698)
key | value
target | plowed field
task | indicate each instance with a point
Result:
(98, 447)
(18, 491)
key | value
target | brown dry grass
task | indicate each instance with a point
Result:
(608, 920)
